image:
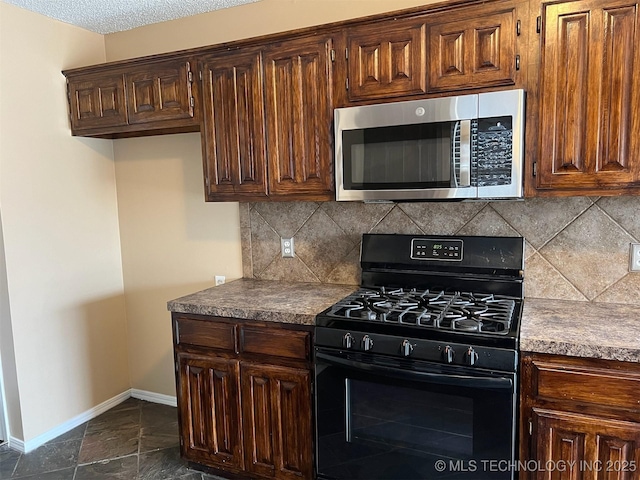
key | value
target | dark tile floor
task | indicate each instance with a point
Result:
(135, 440)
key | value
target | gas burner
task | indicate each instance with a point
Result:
(436, 309)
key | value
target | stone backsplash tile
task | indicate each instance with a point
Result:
(577, 248)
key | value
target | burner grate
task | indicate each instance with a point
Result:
(437, 309)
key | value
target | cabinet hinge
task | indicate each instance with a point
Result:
(190, 76)
(200, 75)
(347, 83)
(346, 53)
(333, 55)
(538, 24)
(530, 427)
(535, 168)
(518, 28)
(517, 62)
(192, 102)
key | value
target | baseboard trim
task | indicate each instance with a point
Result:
(28, 446)
(172, 401)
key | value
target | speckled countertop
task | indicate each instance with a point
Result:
(581, 329)
(263, 300)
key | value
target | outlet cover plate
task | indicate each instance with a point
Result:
(634, 258)
(287, 247)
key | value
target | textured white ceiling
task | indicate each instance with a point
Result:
(109, 16)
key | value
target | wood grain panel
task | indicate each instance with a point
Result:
(257, 417)
(294, 429)
(586, 385)
(616, 88)
(210, 422)
(386, 59)
(159, 92)
(299, 115)
(234, 146)
(276, 342)
(471, 49)
(590, 447)
(97, 101)
(213, 334)
(589, 97)
(281, 396)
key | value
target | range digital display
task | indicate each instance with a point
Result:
(447, 250)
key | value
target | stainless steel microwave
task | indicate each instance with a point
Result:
(450, 148)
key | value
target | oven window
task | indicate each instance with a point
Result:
(395, 417)
(374, 426)
(405, 156)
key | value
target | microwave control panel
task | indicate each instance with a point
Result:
(429, 249)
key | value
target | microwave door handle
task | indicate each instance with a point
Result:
(420, 376)
(465, 154)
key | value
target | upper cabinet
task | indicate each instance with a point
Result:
(589, 98)
(267, 122)
(233, 136)
(386, 59)
(473, 47)
(299, 111)
(129, 99)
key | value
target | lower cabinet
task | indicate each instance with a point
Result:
(244, 396)
(276, 411)
(580, 418)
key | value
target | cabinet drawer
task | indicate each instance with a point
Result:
(203, 333)
(276, 341)
(586, 385)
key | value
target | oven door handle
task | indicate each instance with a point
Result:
(427, 377)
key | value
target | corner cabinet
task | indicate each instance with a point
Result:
(589, 97)
(581, 415)
(132, 98)
(267, 122)
(244, 396)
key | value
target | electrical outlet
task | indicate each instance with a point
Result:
(286, 247)
(220, 279)
(634, 257)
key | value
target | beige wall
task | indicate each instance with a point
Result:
(250, 20)
(60, 225)
(173, 243)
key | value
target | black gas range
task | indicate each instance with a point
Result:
(419, 365)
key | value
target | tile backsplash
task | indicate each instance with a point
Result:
(577, 248)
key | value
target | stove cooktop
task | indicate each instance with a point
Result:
(435, 309)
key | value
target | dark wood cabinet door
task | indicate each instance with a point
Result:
(589, 96)
(159, 92)
(97, 101)
(386, 59)
(590, 447)
(298, 109)
(277, 421)
(233, 135)
(209, 406)
(472, 49)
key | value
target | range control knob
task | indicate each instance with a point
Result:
(406, 348)
(367, 343)
(471, 356)
(347, 341)
(448, 354)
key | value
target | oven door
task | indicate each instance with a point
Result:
(396, 419)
